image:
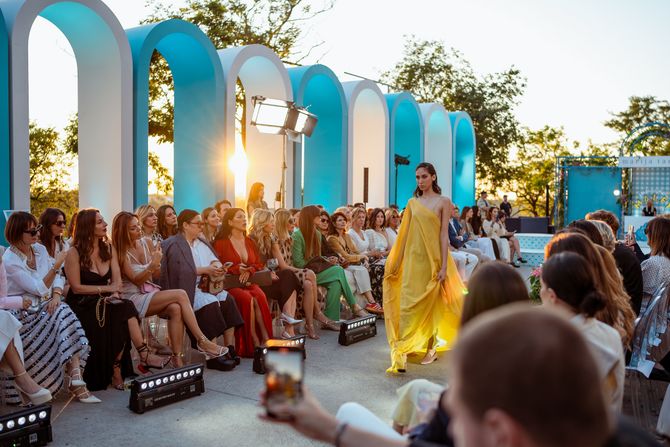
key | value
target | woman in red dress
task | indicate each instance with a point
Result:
(233, 245)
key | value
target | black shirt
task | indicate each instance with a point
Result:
(629, 266)
(506, 208)
(648, 212)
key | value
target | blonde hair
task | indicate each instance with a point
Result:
(259, 219)
(209, 234)
(282, 217)
(606, 233)
(142, 212)
(356, 212)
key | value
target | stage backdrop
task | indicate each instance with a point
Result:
(590, 188)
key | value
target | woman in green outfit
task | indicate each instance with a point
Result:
(307, 245)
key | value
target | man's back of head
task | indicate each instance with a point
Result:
(526, 377)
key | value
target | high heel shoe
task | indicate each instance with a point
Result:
(211, 355)
(329, 324)
(311, 332)
(75, 377)
(118, 385)
(84, 396)
(39, 397)
(149, 360)
(289, 319)
(177, 360)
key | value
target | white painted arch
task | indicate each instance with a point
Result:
(438, 148)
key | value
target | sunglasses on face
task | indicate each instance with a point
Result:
(324, 220)
(200, 224)
(34, 231)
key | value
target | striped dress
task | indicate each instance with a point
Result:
(49, 341)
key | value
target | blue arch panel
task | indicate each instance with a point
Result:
(463, 162)
(406, 139)
(5, 157)
(317, 88)
(199, 96)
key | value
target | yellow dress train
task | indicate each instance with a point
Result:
(416, 305)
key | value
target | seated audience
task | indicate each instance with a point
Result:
(626, 260)
(53, 223)
(110, 323)
(137, 262)
(167, 221)
(233, 246)
(357, 274)
(392, 225)
(459, 239)
(51, 334)
(149, 222)
(494, 230)
(307, 253)
(347, 213)
(187, 261)
(617, 312)
(376, 258)
(656, 269)
(222, 206)
(484, 244)
(212, 220)
(255, 199)
(515, 247)
(379, 243)
(285, 285)
(567, 282)
(587, 228)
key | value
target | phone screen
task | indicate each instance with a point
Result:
(283, 381)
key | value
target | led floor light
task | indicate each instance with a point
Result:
(353, 331)
(166, 387)
(297, 342)
(26, 427)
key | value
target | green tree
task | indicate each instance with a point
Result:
(162, 180)
(277, 24)
(642, 110)
(434, 73)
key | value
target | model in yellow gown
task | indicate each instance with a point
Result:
(418, 307)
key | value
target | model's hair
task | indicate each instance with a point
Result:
(18, 222)
(259, 219)
(618, 312)
(309, 232)
(163, 228)
(254, 192)
(492, 285)
(587, 228)
(49, 217)
(555, 372)
(84, 238)
(226, 229)
(121, 239)
(431, 170)
(606, 234)
(372, 220)
(281, 224)
(571, 277)
(606, 216)
(184, 217)
(209, 234)
(658, 236)
(142, 212)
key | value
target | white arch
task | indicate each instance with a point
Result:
(368, 141)
(261, 73)
(438, 148)
(104, 68)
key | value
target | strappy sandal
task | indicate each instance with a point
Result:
(177, 360)
(75, 378)
(117, 385)
(149, 360)
(83, 395)
(221, 351)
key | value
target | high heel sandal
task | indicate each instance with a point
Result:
(117, 386)
(290, 320)
(84, 396)
(328, 324)
(149, 360)
(210, 355)
(75, 378)
(311, 332)
(175, 360)
(41, 396)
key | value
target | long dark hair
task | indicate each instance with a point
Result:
(84, 238)
(431, 170)
(46, 237)
(226, 229)
(658, 233)
(163, 228)
(121, 236)
(373, 218)
(309, 232)
(476, 220)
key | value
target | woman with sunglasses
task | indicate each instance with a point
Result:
(53, 223)
(51, 333)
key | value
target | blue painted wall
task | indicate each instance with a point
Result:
(406, 139)
(600, 182)
(198, 104)
(326, 179)
(464, 157)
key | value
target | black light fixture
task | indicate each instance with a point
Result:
(353, 331)
(398, 160)
(164, 388)
(297, 342)
(26, 427)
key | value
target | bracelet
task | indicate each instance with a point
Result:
(99, 291)
(339, 431)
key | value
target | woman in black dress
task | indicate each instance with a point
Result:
(109, 322)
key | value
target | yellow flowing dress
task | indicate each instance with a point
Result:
(416, 305)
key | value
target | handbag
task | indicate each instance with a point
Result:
(149, 287)
(212, 285)
(318, 264)
(261, 278)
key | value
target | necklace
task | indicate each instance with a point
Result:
(100, 315)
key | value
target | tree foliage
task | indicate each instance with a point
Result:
(162, 180)
(277, 24)
(642, 110)
(434, 73)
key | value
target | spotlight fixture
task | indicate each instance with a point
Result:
(270, 115)
(297, 343)
(353, 331)
(400, 160)
(166, 387)
(304, 123)
(27, 427)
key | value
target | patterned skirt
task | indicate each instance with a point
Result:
(377, 281)
(49, 342)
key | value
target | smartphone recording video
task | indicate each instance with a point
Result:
(283, 381)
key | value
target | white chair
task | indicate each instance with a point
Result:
(648, 327)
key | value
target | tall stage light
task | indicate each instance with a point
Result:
(353, 331)
(297, 342)
(26, 427)
(166, 387)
